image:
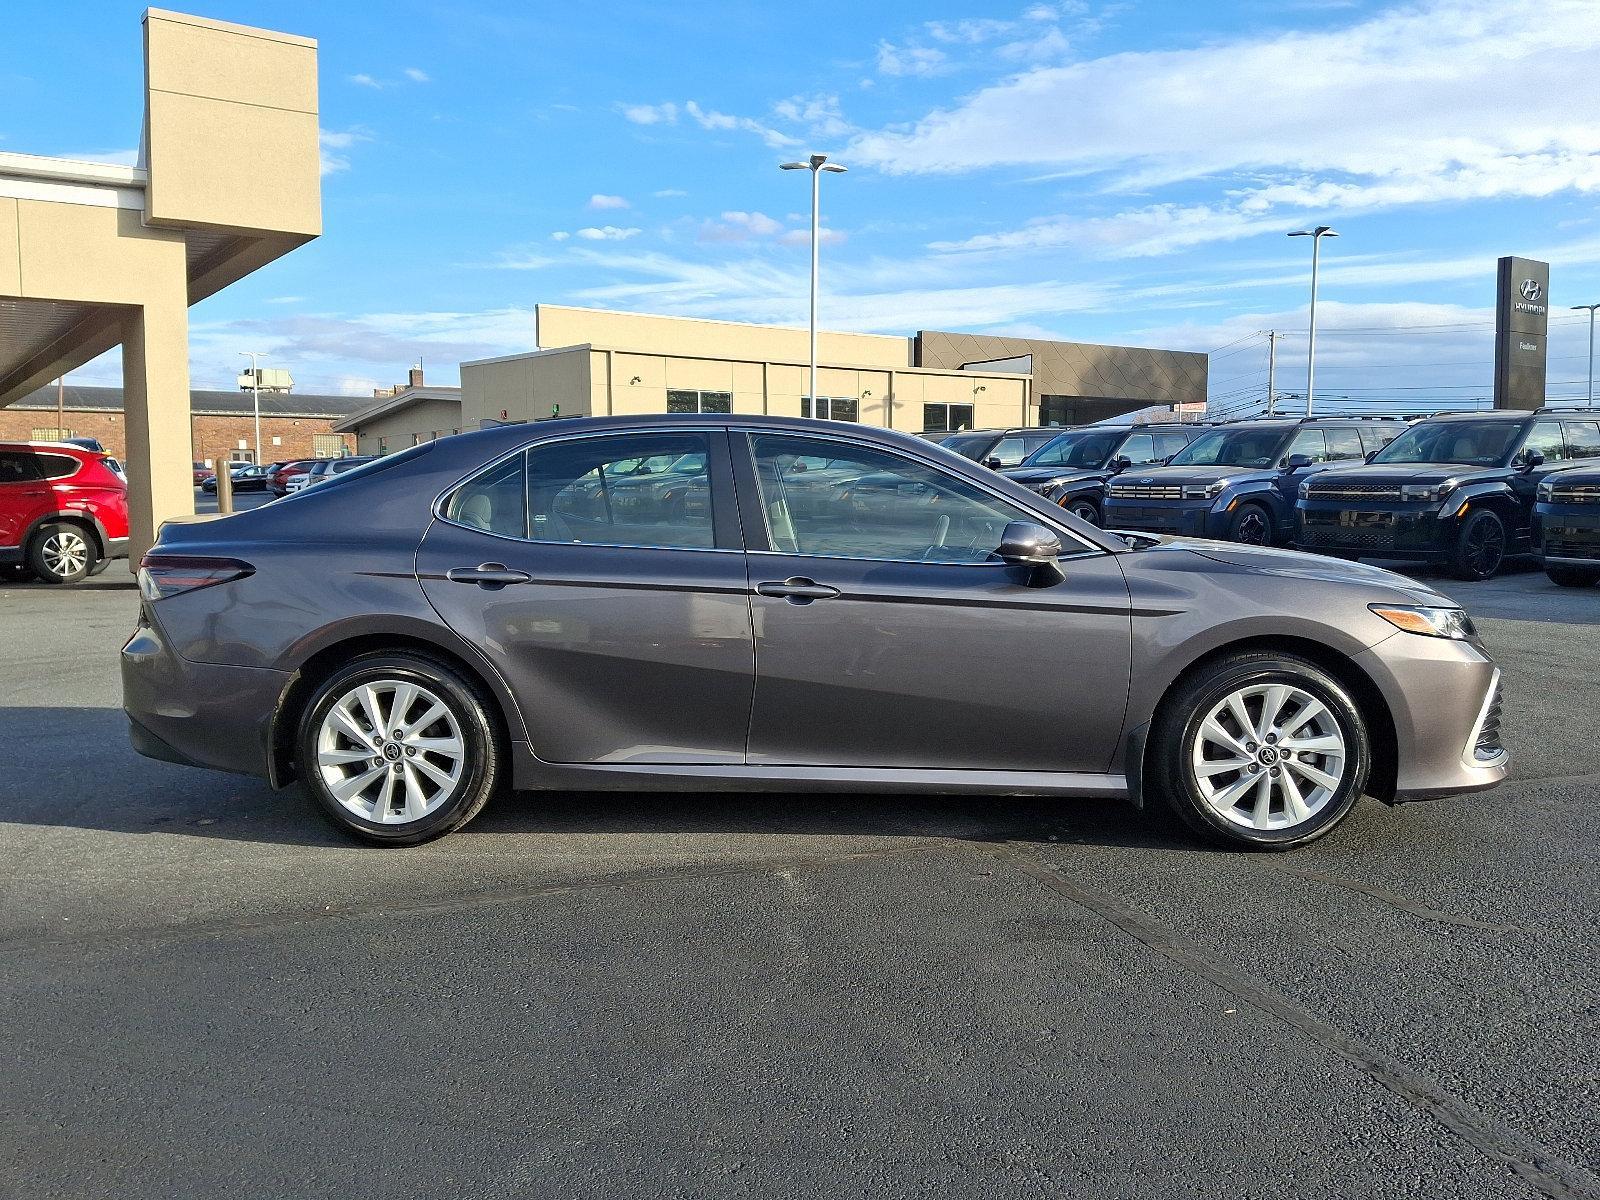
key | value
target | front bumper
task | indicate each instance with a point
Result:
(1185, 518)
(1444, 698)
(1375, 529)
(197, 714)
(1568, 533)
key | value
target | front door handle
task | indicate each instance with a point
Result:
(489, 575)
(798, 590)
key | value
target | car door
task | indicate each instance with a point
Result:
(886, 637)
(23, 495)
(615, 607)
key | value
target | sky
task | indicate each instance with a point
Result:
(1121, 172)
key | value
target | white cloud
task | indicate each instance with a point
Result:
(712, 119)
(607, 233)
(418, 75)
(600, 202)
(912, 60)
(285, 299)
(820, 114)
(365, 80)
(669, 193)
(334, 146)
(560, 235)
(651, 114)
(740, 227)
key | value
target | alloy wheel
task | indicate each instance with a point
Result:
(65, 553)
(1486, 546)
(390, 751)
(1085, 511)
(1253, 529)
(1268, 756)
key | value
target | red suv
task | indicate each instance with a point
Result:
(278, 476)
(63, 511)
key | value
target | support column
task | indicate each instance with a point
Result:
(155, 399)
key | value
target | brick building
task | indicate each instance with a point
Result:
(222, 424)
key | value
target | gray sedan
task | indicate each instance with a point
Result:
(511, 609)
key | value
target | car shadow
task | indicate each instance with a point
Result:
(74, 768)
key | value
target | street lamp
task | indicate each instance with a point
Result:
(1590, 308)
(255, 388)
(1316, 235)
(817, 164)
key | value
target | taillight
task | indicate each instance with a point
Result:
(163, 575)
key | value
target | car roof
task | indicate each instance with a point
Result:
(67, 447)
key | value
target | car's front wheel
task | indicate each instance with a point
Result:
(1085, 510)
(62, 553)
(1259, 751)
(1574, 577)
(1252, 524)
(398, 749)
(1480, 546)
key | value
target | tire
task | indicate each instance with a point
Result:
(62, 552)
(1480, 547)
(1252, 524)
(1573, 577)
(442, 784)
(1224, 805)
(1085, 510)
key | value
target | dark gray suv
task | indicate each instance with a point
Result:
(786, 605)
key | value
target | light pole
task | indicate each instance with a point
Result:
(1316, 235)
(1590, 308)
(1272, 372)
(817, 164)
(255, 388)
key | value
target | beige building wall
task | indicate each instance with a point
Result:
(422, 421)
(528, 387)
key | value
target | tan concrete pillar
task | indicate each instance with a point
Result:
(155, 399)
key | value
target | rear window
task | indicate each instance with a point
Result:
(339, 477)
(18, 466)
(57, 466)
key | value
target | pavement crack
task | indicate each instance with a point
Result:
(1404, 904)
(1537, 1166)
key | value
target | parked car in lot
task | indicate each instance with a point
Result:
(202, 473)
(244, 477)
(997, 448)
(1567, 516)
(1457, 489)
(467, 617)
(1238, 481)
(1072, 468)
(324, 469)
(63, 511)
(278, 476)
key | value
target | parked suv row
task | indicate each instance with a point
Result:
(1072, 469)
(1457, 489)
(1568, 517)
(63, 511)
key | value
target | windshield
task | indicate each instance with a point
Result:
(1087, 448)
(1476, 443)
(1234, 448)
(969, 445)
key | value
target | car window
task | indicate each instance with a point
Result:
(1246, 447)
(1480, 443)
(1311, 443)
(1545, 437)
(1082, 448)
(888, 508)
(17, 466)
(971, 445)
(1138, 448)
(1010, 452)
(1376, 437)
(592, 491)
(1168, 444)
(1343, 444)
(1032, 441)
(1583, 439)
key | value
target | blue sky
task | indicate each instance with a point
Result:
(1115, 172)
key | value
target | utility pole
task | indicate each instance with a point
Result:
(816, 164)
(1316, 235)
(1272, 371)
(255, 388)
(1590, 308)
(61, 404)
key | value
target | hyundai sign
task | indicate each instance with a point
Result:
(1521, 323)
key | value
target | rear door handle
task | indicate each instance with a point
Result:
(491, 575)
(798, 589)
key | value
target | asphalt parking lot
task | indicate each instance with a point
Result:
(203, 990)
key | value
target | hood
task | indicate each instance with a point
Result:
(1182, 474)
(1292, 564)
(1035, 476)
(1418, 473)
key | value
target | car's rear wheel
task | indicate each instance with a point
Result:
(1252, 525)
(1085, 510)
(1575, 577)
(62, 553)
(1259, 751)
(398, 749)
(1480, 546)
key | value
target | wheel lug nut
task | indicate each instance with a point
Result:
(1252, 768)
(1250, 746)
(411, 751)
(1271, 738)
(1275, 772)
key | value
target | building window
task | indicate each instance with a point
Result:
(831, 408)
(48, 434)
(699, 402)
(946, 418)
(327, 445)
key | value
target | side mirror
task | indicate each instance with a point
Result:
(1024, 544)
(1369, 456)
(1532, 459)
(992, 463)
(1121, 463)
(1295, 462)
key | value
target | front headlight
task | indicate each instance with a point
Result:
(1305, 489)
(1547, 489)
(1204, 491)
(1430, 622)
(1428, 491)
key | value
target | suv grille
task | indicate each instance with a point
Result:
(1147, 491)
(1342, 538)
(1575, 493)
(1488, 743)
(1352, 490)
